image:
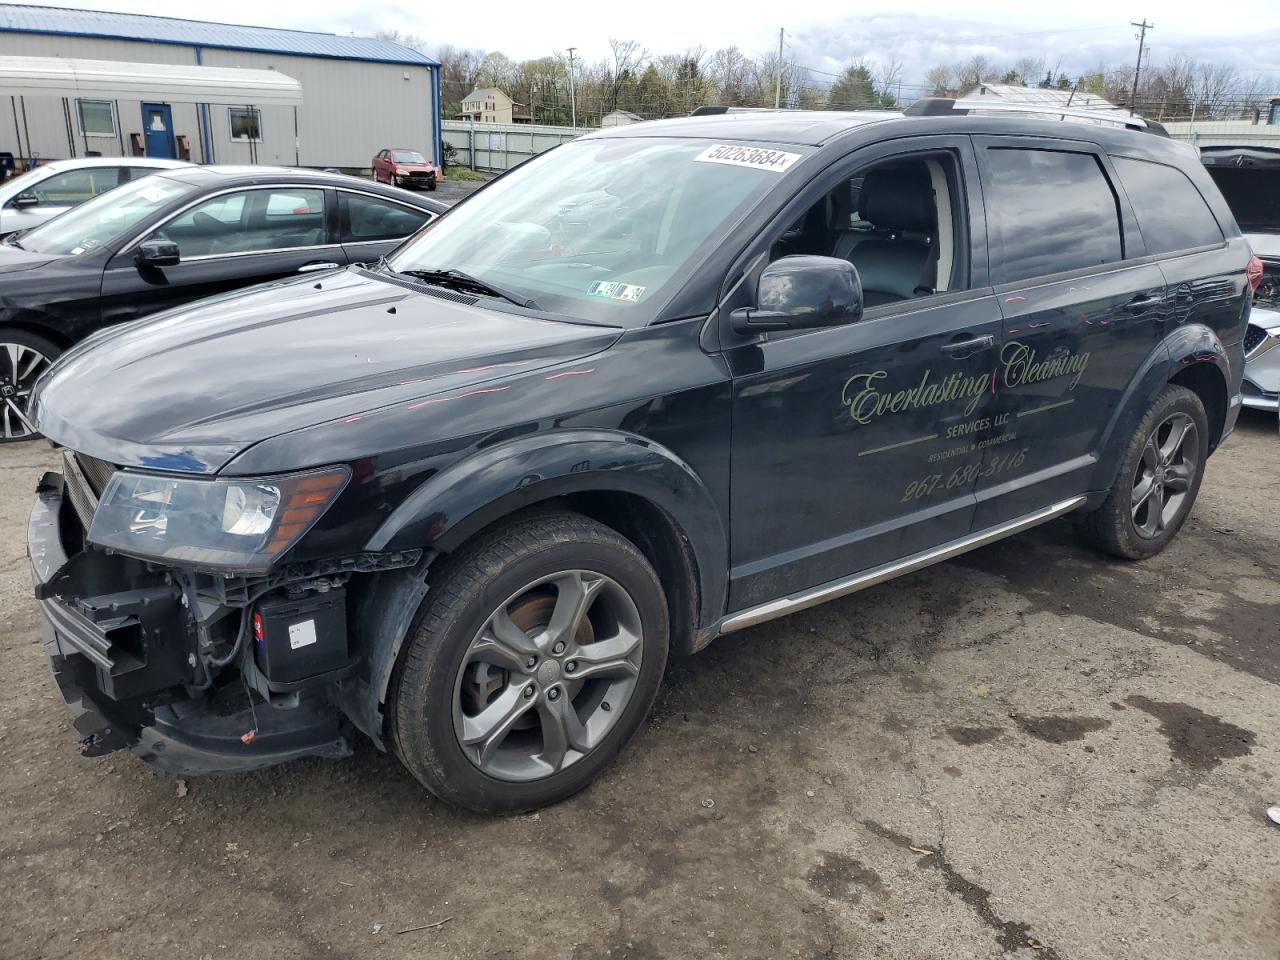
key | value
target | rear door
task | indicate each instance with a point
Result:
(371, 226)
(228, 241)
(1082, 313)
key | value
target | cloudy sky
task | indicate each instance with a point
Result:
(821, 34)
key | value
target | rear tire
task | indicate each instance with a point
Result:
(535, 659)
(24, 357)
(1158, 479)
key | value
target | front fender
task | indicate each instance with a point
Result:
(454, 504)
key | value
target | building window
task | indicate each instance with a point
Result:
(97, 118)
(246, 124)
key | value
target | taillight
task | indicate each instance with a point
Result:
(1253, 273)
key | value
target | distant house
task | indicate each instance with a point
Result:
(1011, 94)
(491, 105)
(619, 118)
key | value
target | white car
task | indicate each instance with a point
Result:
(1249, 178)
(41, 194)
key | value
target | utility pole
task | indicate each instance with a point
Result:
(1143, 27)
(777, 87)
(573, 103)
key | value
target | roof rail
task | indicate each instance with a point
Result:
(943, 106)
(715, 110)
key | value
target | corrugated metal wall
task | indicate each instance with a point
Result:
(351, 109)
(500, 146)
(1207, 133)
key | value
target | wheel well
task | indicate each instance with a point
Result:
(40, 330)
(657, 535)
(1206, 382)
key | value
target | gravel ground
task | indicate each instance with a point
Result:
(1032, 751)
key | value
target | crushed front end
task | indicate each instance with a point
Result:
(198, 672)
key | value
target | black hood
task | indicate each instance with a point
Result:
(189, 389)
(14, 259)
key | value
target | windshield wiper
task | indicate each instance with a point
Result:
(12, 240)
(457, 280)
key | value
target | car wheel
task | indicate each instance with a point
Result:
(1158, 480)
(23, 357)
(536, 657)
(431, 185)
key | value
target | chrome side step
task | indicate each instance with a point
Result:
(888, 571)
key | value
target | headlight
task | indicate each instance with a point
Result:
(240, 525)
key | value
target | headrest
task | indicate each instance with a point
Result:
(898, 198)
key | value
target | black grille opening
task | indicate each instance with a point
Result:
(1253, 336)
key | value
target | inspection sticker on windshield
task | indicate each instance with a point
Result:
(757, 157)
(615, 290)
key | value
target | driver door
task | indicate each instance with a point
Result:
(857, 445)
(226, 242)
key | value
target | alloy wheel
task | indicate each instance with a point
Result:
(1165, 475)
(20, 366)
(548, 676)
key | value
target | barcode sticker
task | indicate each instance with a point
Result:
(760, 158)
(302, 634)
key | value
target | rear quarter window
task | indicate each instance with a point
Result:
(1051, 211)
(1171, 213)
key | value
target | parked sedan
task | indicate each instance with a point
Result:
(1249, 178)
(174, 237)
(401, 167)
(31, 198)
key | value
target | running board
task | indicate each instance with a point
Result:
(888, 571)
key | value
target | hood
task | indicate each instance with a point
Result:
(189, 389)
(1265, 245)
(14, 259)
(400, 165)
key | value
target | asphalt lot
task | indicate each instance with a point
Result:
(1032, 751)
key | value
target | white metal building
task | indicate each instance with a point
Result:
(358, 94)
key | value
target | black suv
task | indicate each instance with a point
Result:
(658, 385)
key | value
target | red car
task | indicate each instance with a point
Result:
(402, 167)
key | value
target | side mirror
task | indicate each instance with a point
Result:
(24, 200)
(800, 293)
(158, 253)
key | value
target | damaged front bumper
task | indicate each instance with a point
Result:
(125, 651)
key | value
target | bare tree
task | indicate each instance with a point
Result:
(938, 80)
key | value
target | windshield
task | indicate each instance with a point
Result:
(407, 156)
(102, 219)
(601, 229)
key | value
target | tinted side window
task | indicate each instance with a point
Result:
(370, 219)
(76, 186)
(1171, 213)
(1050, 211)
(248, 222)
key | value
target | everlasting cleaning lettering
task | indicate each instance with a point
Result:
(869, 395)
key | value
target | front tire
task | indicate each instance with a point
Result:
(537, 655)
(23, 358)
(1159, 477)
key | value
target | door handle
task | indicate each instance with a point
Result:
(313, 267)
(1144, 301)
(968, 346)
